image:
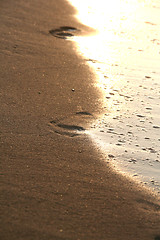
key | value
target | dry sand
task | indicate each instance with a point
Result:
(56, 185)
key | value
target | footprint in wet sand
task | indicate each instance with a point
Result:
(149, 205)
(63, 32)
(69, 126)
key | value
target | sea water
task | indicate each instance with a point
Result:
(124, 52)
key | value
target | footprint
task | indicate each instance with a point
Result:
(72, 125)
(63, 32)
(66, 129)
(150, 205)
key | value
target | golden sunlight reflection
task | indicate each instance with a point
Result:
(125, 29)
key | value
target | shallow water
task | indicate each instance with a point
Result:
(125, 55)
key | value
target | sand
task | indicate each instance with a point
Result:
(56, 184)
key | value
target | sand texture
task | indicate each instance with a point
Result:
(55, 184)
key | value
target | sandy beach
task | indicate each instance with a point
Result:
(55, 183)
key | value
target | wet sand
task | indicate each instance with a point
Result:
(55, 183)
(127, 72)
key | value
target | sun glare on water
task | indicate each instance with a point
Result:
(127, 37)
(120, 25)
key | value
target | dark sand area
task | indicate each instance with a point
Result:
(55, 184)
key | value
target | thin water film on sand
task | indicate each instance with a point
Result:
(125, 55)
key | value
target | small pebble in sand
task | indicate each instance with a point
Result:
(110, 156)
(139, 115)
(132, 160)
(156, 126)
(110, 129)
(73, 89)
(152, 151)
(118, 144)
(120, 140)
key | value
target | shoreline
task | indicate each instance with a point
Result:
(56, 185)
(124, 108)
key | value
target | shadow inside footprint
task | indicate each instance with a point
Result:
(71, 127)
(84, 113)
(157, 238)
(63, 32)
